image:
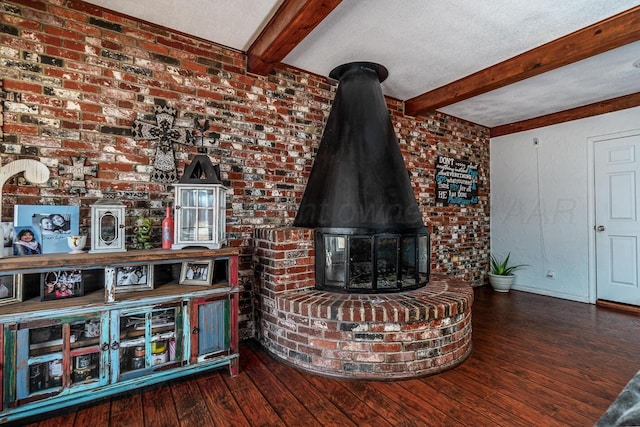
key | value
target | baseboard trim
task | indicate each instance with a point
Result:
(628, 308)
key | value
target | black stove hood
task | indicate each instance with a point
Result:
(369, 235)
(359, 180)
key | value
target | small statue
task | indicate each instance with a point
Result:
(143, 233)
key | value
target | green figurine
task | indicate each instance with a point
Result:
(142, 238)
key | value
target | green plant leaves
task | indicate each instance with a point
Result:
(502, 268)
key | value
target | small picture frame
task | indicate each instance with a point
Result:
(196, 273)
(134, 278)
(10, 289)
(61, 284)
(9, 236)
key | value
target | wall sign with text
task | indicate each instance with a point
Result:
(456, 181)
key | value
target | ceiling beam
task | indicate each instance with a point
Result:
(292, 22)
(602, 107)
(613, 32)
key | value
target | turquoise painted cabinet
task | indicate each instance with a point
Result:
(211, 332)
(70, 351)
(54, 356)
(146, 339)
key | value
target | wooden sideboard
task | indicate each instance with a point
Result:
(113, 336)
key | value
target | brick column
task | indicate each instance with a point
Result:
(284, 261)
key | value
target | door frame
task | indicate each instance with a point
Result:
(591, 202)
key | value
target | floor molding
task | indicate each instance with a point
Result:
(628, 308)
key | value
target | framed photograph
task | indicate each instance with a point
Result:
(51, 224)
(25, 242)
(10, 289)
(196, 273)
(9, 236)
(62, 284)
(134, 278)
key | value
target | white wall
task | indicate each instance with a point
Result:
(541, 208)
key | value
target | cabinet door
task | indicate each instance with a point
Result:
(52, 355)
(146, 339)
(210, 323)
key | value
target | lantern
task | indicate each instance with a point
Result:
(200, 206)
(107, 224)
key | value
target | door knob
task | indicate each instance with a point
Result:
(600, 228)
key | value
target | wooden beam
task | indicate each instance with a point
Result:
(607, 106)
(600, 37)
(292, 22)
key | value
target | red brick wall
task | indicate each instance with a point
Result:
(76, 76)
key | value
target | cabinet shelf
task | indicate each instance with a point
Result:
(132, 341)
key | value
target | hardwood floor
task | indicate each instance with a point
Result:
(537, 361)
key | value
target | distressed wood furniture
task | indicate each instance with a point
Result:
(69, 351)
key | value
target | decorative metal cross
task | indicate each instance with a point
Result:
(78, 170)
(165, 162)
(201, 126)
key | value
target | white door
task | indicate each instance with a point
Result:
(617, 197)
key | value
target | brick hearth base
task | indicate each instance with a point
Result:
(378, 336)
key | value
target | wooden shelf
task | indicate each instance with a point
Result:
(95, 300)
(48, 262)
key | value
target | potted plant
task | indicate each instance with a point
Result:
(501, 276)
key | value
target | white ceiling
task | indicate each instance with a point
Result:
(426, 44)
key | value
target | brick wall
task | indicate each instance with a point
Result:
(75, 77)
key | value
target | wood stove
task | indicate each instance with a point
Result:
(370, 236)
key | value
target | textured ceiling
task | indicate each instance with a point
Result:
(426, 44)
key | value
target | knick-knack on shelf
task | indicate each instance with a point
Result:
(76, 244)
(142, 228)
(167, 230)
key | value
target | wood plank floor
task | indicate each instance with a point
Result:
(537, 361)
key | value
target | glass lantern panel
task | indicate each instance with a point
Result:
(205, 224)
(204, 214)
(188, 197)
(205, 198)
(188, 222)
(222, 212)
(108, 227)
